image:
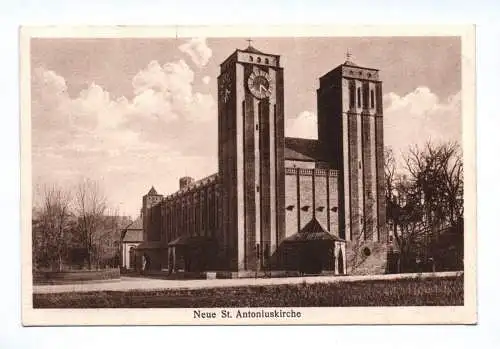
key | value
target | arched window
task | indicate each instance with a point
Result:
(359, 97)
(372, 99)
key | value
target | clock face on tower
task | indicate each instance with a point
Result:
(260, 84)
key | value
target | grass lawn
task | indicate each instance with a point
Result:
(404, 292)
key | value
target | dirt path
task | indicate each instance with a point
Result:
(143, 283)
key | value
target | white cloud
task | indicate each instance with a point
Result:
(198, 50)
(304, 125)
(206, 80)
(415, 118)
(420, 116)
(167, 129)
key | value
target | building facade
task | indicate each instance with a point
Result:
(271, 189)
(131, 237)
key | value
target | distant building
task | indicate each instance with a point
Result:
(131, 237)
(272, 190)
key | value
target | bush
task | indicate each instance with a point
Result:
(63, 277)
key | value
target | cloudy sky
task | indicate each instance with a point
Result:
(132, 113)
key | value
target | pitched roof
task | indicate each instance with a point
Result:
(152, 191)
(151, 245)
(313, 231)
(303, 149)
(252, 49)
(133, 232)
(133, 236)
(196, 184)
(350, 63)
(135, 225)
(191, 240)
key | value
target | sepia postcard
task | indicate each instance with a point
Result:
(233, 175)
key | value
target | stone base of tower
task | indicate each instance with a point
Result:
(366, 257)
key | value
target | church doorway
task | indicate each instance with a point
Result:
(131, 259)
(312, 258)
(310, 251)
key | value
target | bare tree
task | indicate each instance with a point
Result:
(390, 172)
(426, 202)
(91, 206)
(106, 241)
(52, 226)
(437, 175)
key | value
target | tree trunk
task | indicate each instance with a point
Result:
(60, 262)
(89, 257)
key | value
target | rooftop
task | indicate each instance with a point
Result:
(196, 184)
(152, 191)
(313, 231)
(252, 49)
(303, 149)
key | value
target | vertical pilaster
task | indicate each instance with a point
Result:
(271, 111)
(279, 140)
(354, 170)
(240, 188)
(368, 179)
(346, 179)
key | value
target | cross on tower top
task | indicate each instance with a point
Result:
(348, 55)
(249, 42)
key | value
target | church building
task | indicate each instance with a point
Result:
(279, 203)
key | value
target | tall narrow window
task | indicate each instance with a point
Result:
(365, 95)
(352, 97)
(372, 99)
(359, 97)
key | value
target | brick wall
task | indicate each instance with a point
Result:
(321, 197)
(369, 191)
(306, 204)
(360, 264)
(291, 205)
(333, 207)
(300, 192)
(354, 169)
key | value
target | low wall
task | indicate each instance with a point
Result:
(210, 275)
(74, 276)
(366, 258)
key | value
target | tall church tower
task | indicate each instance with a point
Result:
(251, 156)
(350, 128)
(149, 200)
